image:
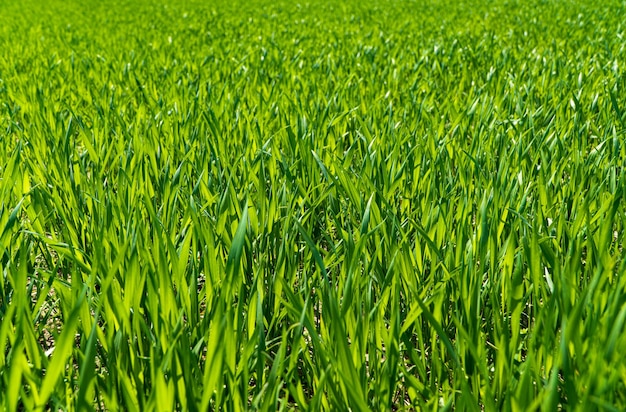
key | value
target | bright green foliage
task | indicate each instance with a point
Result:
(325, 205)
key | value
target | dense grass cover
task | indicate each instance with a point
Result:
(331, 205)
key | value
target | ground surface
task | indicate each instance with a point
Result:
(317, 205)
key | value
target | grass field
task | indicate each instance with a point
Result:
(325, 205)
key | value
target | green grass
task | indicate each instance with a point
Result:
(331, 205)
